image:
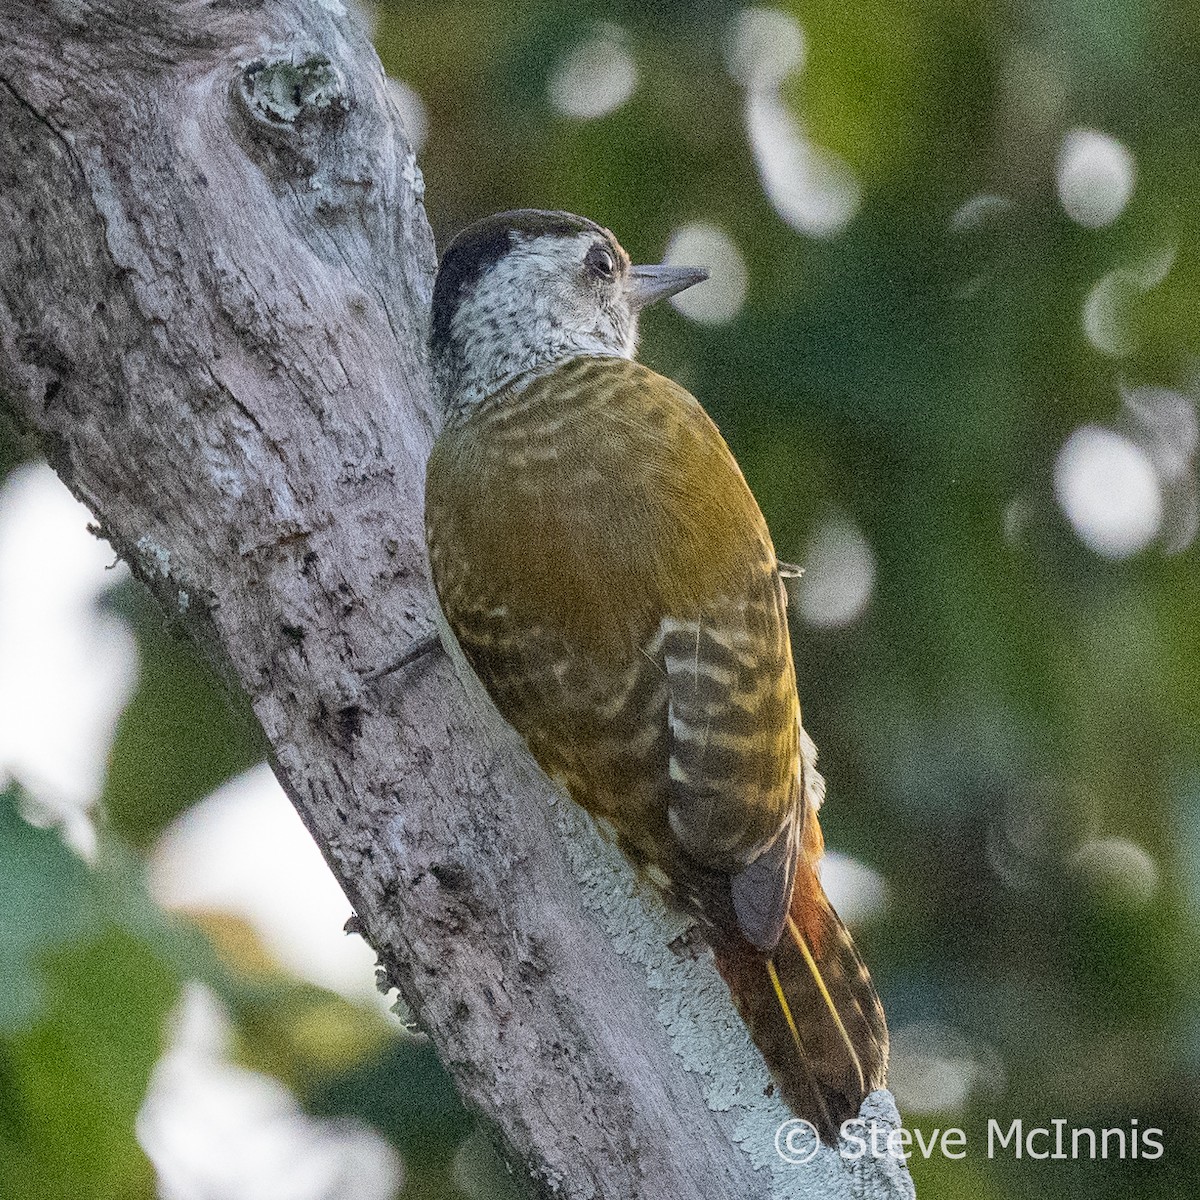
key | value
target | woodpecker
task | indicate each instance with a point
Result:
(604, 569)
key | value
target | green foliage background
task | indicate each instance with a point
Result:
(917, 377)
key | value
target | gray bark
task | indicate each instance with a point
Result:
(214, 272)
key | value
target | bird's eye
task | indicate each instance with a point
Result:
(600, 262)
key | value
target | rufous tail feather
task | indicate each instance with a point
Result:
(812, 1011)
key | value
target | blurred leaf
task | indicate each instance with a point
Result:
(74, 1079)
(302, 1035)
(183, 734)
(90, 969)
(44, 891)
(405, 1093)
(483, 1175)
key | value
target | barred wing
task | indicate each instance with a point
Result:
(611, 580)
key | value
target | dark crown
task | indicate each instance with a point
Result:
(481, 245)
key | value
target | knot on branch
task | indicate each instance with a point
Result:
(291, 102)
(286, 92)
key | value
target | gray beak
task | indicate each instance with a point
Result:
(647, 284)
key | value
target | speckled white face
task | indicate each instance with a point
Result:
(551, 297)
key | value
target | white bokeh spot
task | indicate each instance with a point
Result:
(979, 210)
(811, 188)
(596, 77)
(413, 112)
(66, 668)
(764, 47)
(1109, 309)
(720, 298)
(243, 850)
(858, 892)
(1168, 420)
(839, 575)
(212, 1128)
(1118, 869)
(1094, 177)
(1109, 491)
(934, 1068)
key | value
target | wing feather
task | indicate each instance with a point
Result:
(616, 590)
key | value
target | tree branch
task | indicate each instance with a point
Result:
(214, 273)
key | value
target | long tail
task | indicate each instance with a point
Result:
(812, 1010)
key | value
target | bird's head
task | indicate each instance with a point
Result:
(527, 289)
